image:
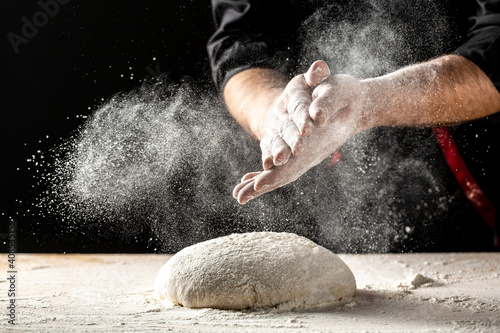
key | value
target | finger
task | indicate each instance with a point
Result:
(317, 73)
(237, 189)
(291, 135)
(275, 150)
(318, 110)
(298, 109)
(246, 192)
(317, 113)
(329, 110)
(280, 176)
(250, 176)
(280, 150)
(267, 156)
(266, 182)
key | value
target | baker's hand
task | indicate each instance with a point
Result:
(337, 113)
(289, 123)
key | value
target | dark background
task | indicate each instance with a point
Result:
(77, 55)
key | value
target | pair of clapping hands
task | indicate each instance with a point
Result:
(315, 114)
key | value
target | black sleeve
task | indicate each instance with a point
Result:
(249, 33)
(482, 45)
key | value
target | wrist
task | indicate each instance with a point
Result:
(374, 103)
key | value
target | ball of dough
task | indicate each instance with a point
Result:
(259, 269)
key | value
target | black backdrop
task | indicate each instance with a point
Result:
(60, 59)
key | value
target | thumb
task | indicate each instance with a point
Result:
(318, 72)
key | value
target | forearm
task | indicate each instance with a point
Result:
(250, 94)
(445, 91)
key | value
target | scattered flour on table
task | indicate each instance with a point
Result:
(416, 281)
(255, 270)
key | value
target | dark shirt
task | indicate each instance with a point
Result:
(264, 33)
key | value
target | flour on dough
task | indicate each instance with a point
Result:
(259, 269)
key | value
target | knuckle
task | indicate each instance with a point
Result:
(275, 143)
(291, 135)
(292, 107)
(286, 128)
(297, 105)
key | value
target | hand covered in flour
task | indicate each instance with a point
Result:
(327, 118)
(289, 122)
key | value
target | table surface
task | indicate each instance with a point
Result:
(113, 293)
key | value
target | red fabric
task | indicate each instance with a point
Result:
(335, 157)
(457, 165)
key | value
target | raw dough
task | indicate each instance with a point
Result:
(259, 269)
